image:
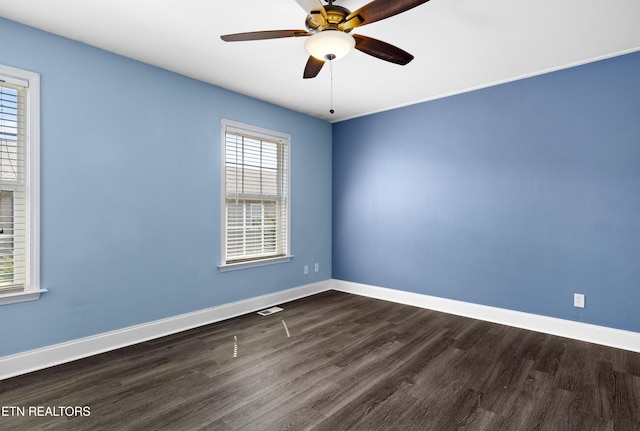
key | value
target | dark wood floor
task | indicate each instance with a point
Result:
(349, 363)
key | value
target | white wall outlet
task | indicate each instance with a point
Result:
(578, 300)
(306, 269)
(317, 267)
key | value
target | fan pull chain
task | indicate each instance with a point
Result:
(331, 111)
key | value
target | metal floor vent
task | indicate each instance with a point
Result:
(269, 311)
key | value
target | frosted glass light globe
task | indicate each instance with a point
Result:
(330, 44)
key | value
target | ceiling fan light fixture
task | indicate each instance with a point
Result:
(330, 44)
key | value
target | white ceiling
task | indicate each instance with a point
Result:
(458, 44)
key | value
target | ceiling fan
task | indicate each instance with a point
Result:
(328, 28)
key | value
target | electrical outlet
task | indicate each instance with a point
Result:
(306, 269)
(578, 300)
(317, 267)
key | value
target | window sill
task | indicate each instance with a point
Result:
(253, 263)
(12, 298)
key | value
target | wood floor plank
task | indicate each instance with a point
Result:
(269, 406)
(531, 405)
(336, 361)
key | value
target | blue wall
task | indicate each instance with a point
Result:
(130, 205)
(513, 196)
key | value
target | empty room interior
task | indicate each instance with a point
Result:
(434, 206)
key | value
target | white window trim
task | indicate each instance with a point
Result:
(224, 126)
(32, 149)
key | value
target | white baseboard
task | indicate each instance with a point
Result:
(49, 356)
(549, 325)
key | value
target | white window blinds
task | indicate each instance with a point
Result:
(13, 199)
(256, 224)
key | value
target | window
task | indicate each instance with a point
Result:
(19, 185)
(255, 191)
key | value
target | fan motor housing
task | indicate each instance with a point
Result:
(335, 15)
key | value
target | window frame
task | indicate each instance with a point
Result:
(268, 135)
(31, 81)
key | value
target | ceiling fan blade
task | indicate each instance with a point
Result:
(315, 10)
(261, 35)
(382, 50)
(312, 6)
(312, 68)
(378, 10)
